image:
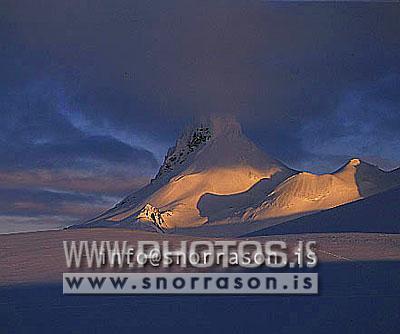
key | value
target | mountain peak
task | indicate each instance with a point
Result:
(201, 132)
(224, 124)
(358, 163)
(192, 139)
(354, 162)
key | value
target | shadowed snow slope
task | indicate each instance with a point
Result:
(305, 192)
(214, 157)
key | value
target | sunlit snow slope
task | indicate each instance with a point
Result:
(306, 192)
(378, 213)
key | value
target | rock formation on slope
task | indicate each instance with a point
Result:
(151, 214)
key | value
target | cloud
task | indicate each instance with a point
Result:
(137, 65)
(365, 124)
(148, 68)
(52, 172)
(71, 180)
(46, 205)
(36, 133)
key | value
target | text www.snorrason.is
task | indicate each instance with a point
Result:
(190, 283)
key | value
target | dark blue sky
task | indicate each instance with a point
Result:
(93, 93)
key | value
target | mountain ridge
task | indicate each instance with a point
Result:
(306, 192)
(214, 173)
(377, 213)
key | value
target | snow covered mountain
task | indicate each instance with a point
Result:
(214, 174)
(214, 157)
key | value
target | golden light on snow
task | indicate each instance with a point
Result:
(215, 172)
